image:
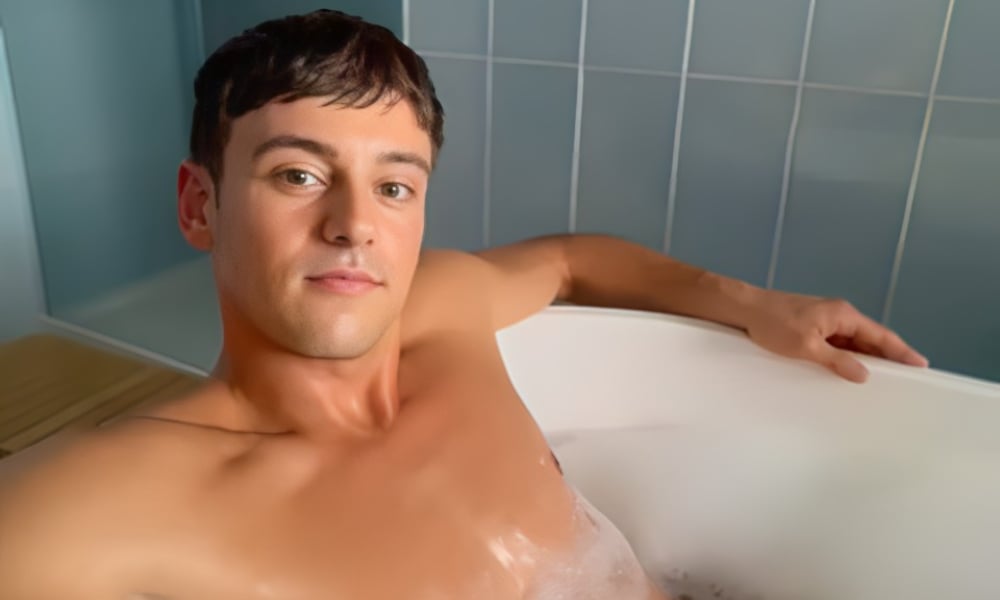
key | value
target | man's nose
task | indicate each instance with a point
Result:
(349, 217)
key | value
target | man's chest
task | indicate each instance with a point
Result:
(454, 498)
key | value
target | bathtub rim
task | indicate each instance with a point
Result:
(875, 364)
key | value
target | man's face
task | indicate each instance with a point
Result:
(320, 218)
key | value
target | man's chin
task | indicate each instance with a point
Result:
(344, 346)
(328, 350)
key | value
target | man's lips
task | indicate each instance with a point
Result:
(350, 282)
(348, 274)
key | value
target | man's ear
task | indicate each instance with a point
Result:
(196, 205)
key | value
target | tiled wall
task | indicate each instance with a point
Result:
(222, 19)
(839, 147)
(103, 96)
(99, 92)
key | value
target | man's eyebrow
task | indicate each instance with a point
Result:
(294, 141)
(326, 151)
(410, 158)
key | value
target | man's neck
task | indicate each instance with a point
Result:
(275, 390)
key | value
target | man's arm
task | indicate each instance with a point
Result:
(599, 270)
(596, 270)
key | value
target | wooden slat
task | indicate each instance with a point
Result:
(48, 383)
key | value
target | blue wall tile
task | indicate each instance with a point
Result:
(101, 104)
(626, 146)
(645, 34)
(751, 39)
(223, 19)
(890, 44)
(533, 118)
(449, 25)
(731, 168)
(455, 195)
(852, 168)
(970, 66)
(949, 286)
(547, 30)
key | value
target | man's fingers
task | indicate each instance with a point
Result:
(840, 362)
(880, 341)
(868, 348)
(854, 345)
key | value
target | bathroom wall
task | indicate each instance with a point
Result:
(95, 120)
(100, 102)
(224, 18)
(21, 300)
(837, 147)
(834, 147)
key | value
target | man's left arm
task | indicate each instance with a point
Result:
(598, 270)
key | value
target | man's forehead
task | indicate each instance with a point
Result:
(383, 123)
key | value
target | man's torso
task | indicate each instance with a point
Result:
(459, 498)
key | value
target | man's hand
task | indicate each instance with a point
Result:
(822, 331)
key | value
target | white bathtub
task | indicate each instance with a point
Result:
(713, 455)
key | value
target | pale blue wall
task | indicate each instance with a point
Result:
(866, 91)
(225, 18)
(21, 299)
(104, 96)
(100, 92)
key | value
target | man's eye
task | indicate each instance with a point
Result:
(396, 191)
(298, 178)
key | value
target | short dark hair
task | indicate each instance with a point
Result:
(323, 53)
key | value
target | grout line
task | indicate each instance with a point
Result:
(199, 29)
(739, 79)
(628, 71)
(453, 55)
(678, 129)
(574, 182)
(406, 22)
(539, 63)
(707, 77)
(120, 345)
(488, 135)
(968, 99)
(793, 132)
(917, 164)
(863, 90)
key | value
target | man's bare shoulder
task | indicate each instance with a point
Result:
(447, 290)
(63, 499)
(75, 467)
(117, 456)
(54, 498)
(75, 474)
(452, 268)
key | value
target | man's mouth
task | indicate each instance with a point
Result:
(349, 282)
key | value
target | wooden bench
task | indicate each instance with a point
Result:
(49, 383)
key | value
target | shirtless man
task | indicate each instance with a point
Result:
(360, 437)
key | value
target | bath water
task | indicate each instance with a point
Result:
(752, 511)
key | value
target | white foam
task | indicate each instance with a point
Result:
(601, 567)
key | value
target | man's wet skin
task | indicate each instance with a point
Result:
(360, 439)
